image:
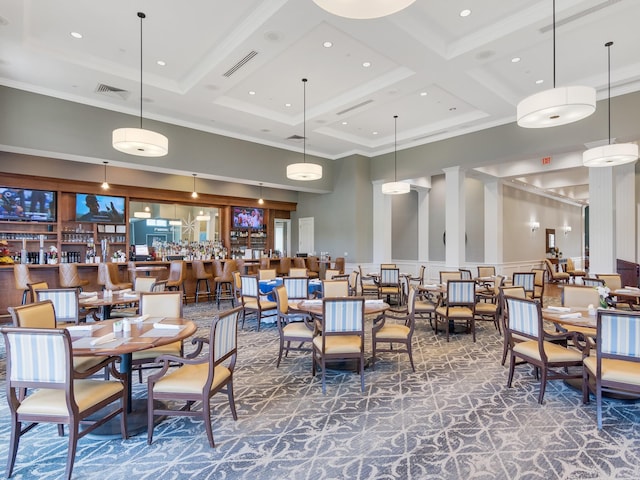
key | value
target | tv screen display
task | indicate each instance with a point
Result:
(27, 205)
(99, 208)
(247, 217)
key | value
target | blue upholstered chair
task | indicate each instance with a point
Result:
(342, 335)
(42, 387)
(198, 377)
(616, 365)
(459, 306)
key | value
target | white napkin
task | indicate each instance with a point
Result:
(140, 319)
(167, 326)
(571, 315)
(88, 294)
(79, 328)
(622, 290)
(109, 337)
(89, 300)
(123, 291)
(558, 309)
(312, 302)
(379, 300)
(130, 295)
(315, 282)
(430, 285)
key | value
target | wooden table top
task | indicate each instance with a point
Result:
(143, 335)
(315, 307)
(116, 299)
(568, 319)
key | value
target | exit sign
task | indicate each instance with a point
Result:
(546, 160)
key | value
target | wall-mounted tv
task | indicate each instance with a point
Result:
(247, 217)
(99, 208)
(27, 205)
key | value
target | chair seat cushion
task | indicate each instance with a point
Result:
(191, 379)
(424, 306)
(46, 401)
(339, 344)
(174, 348)
(454, 312)
(252, 304)
(555, 353)
(400, 332)
(389, 290)
(297, 329)
(615, 370)
(82, 364)
(484, 308)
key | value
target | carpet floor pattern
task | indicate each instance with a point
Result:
(454, 418)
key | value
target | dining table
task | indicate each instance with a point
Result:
(267, 286)
(106, 338)
(106, 302)
(147, 269)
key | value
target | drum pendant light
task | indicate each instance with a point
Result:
(612, 154)
(138, 141)
(557, 106)
(304, 171)
(395, 187)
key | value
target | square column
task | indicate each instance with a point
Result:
(493, 221)
(602, 220)
(455, 217)
(625, 194)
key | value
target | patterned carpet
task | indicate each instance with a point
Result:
(453, 418)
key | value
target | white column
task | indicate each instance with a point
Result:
(455, 217)
(493, 218)
(423, 224)
(602, 224)
(625, 196)
(381, 225)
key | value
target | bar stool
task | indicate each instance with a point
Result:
(109, 277)
(22, 280)
(69, 278)
(224, 283)
(201, 275)
(177, 276)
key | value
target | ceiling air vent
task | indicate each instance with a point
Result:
(113, 92)
(583, 13)
(354, 107)
(240, 64)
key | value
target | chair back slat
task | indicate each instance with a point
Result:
(525, 279)
(296, 287)
(524, 316)
(619, 334)
(250, 286)
(224, 332)
(389, 276)
(65, 302)
(343, 315)
(37, 355)
(461, 292)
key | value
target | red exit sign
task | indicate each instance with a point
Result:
(546, 160)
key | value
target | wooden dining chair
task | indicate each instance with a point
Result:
(296, 327)
(297, 287)
(459, 307)
(198, 377)
(253, 301)
(42, 387)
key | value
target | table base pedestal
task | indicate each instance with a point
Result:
(136, 422)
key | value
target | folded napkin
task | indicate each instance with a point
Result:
(623, 290)
(312, 302)
(140, 319)
(88, 294)
(558, 309)
(272, 282)
(130, 295)
(430, 285)
(109, 337)
(89, 299)
(571, 315)
(123, 291)
(79, 328)
(379, 300)
(167, 326)
(315, 282)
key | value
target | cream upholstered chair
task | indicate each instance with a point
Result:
(488, 305)
(158, 304)
(267, 274)
(616, 364)
(388, 265)
(42, 387)
(580, 296)
(199, 377)
(395, 326)
(447, 276)
(367, 285)
(22, 279)
(389, 285)
(69, 277)
(460, 306)
(297, 272)
(486, 271)
(509, 291)
(342, 335)
(253, 301)
(43, 315)
(614, 282)
(571, 270)
(527, 280)
(538, 284)
(553, 360)
(297, 288)
(335, 288)
(353, 283)
(296, 327)
(330, 273)
(553, 275)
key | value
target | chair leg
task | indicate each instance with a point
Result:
(73, 443)
(232, 400)
(206, 414)
(16, 427)
(543, 385)
(361, 361)
(512, 366)
(373, 353)
(410, 352)
(280, 353)
(150, 423)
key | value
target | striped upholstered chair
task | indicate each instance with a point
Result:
(527, 280)
(616, 365)
(297, 287)
(42, 387)
(199, 377)
(538, 348)
(293, 327)
(342, 335)
(253, 301)
(459, 307)
(66, 303)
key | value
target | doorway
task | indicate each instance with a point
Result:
(282, 236)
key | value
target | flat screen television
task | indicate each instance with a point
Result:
(99, 208)
(27, 205)
(248, 217)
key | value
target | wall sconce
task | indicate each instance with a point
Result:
(567, 229)
(534, 226)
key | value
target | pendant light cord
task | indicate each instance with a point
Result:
(304, 120)
(395, 148)
(141, 16)
(554, 43)
(608, 45)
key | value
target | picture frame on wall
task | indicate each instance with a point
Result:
(109, 229)
(100, 228)
(121, 229)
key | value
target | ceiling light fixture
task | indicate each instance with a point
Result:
(105, 185)
(261, 200)
(203, 217)
(304, 171)
(395, 187)
(465, 13)
(557, 106)
(194, 194)
(610, 155)
(76, 35)
(138, 141)
(363, 9)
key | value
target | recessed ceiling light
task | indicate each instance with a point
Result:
(345, 123)
(452, 109)
(162, 63)
(465, 13)
(366, 64)
(423, 94)
(538, 82)
(76, 35)
(374, 133)
(251, 92)
(327, 44)
(515, 59)
(287, 104)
